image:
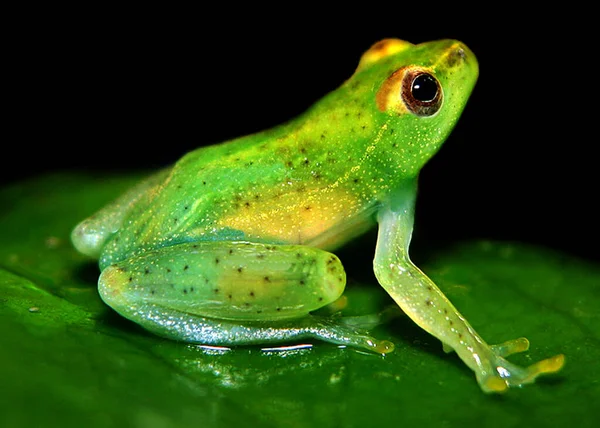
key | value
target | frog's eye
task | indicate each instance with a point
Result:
(421, 93)
(411, 90)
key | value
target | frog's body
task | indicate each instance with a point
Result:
(229, 246)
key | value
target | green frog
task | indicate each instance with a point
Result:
(232, 244)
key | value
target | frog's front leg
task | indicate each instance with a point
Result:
(232, 293)
(429, 308)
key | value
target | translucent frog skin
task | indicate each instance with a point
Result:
(230, 246)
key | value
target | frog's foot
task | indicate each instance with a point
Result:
(337, 331)
(495, 374)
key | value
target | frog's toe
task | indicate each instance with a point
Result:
(501, 374)
(511, 347)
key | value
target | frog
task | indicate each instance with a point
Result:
(233, 244)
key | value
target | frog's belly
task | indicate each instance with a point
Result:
(323, 219)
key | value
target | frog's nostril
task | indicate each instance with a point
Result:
(457, 55)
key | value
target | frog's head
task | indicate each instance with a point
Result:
(418, 96)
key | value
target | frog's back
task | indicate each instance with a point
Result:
(283, 185)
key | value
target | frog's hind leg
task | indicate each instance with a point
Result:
(233, 293)
(90, 235)
(192, 328)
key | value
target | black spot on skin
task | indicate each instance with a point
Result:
(168, 270)
(230, 251)
(185, 291)
(320, 299)
(186, 267)
(307, 208)
(302, 282)
(152, 292)
(246, 304)
(179, 186)
(259, 311)
(195, 246)
(305, 162)
(428, 302)
(299, 255)
(216, 290)
(175, 220)
(247, 204)
(146, 271)
(429, 287)
(331, 260)
(289, 164)
(260, 256)
(267, 279)
(460, 335)
(130, 278)
(278, 309)
(172, 285)
(446, 311)
(191, 289)
(217, 260)
(356, 180)
(185, 208)
(450, 322)
(252, 294)
(302, 150)
(204, 183)
(230, 296)
(240, 269)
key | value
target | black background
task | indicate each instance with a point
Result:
(116, 90)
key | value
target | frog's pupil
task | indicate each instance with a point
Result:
(424, 88)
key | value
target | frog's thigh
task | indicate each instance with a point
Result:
(225, 280)
(233, 293)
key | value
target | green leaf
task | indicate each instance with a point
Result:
(68, 360)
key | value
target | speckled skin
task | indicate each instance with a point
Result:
(229, 245)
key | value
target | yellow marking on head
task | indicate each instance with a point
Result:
(382, 49)
(293, 217)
